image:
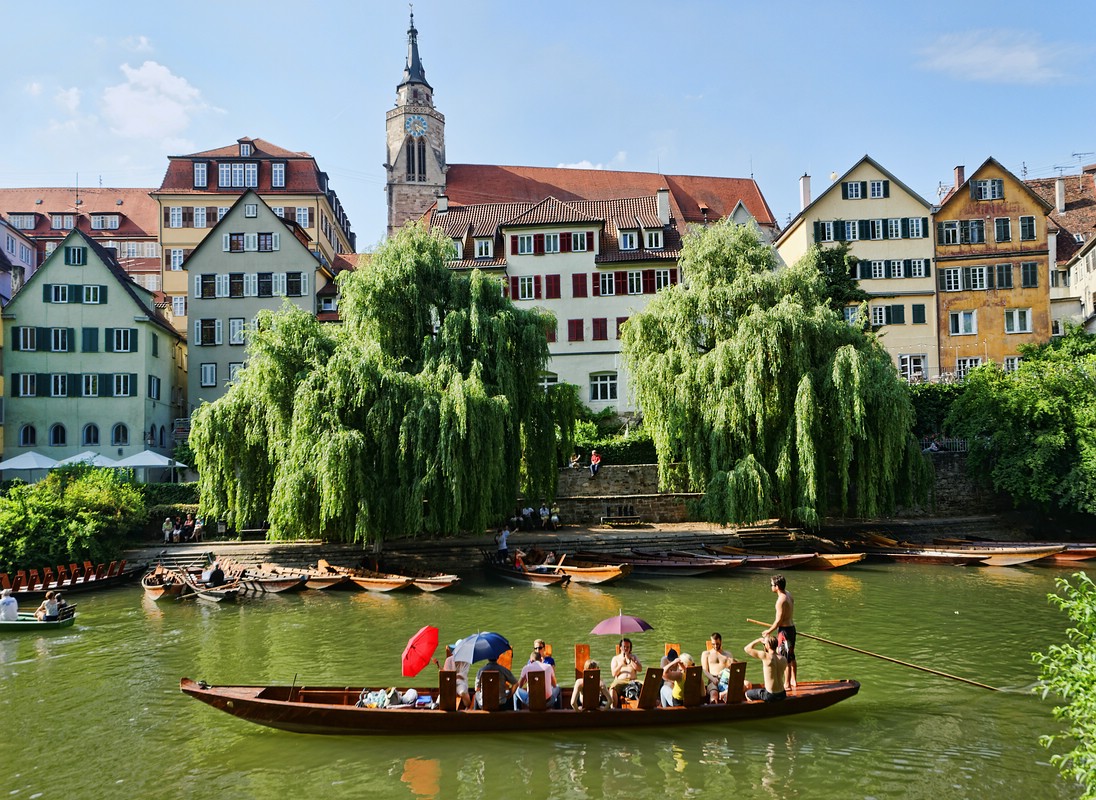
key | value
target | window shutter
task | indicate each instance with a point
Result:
(898, 314)
(15, 343)
(925, 225)
(538, 244)
(197, 286)
(595, 283)
(865, 228)
(885, 225)
(42, 384)
(311, 217)
(838, 230)
(514, 291)
(251, 242)
(565, 243)
(536, 287)
(974, 190)
(844, 190)
(106, 384)
(188, 216)
(211, 216)
(621, 279)
(918, 310)
(71, 348)
(197, 333)
(887, 269)
(132, 385)
(886, 188)
(648, 281)
(673, 277)
(578, 284)
(289, 212)
(905, 227)
(940, 280)
(939, 232)
(167, 217)
(817, 231)
(218, 325)
(304, 284)
(47, 292)
(861, 270)
(998, 187)
(513, 245)
(863, 190)
(133, 340)
(989, 276)
(907, 267)
(102, 294)
(108, 340)
(928, 267)
(225, 243)
(276, 241)
(90, 340)
(73, 388)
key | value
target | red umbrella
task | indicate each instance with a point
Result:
(620, 625)
(420, 649)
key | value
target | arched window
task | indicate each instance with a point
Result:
(416, 159)
(163, 436)
(119, 435)
(90, 437)
(28, 436)
(151, 440)
(57, 435)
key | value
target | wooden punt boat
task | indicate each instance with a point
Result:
(1073, 552)
(333, 710)
(213, 594)
(1006, 556)
(721, 562)
(832, 560)
(942, 557)
(367, 579)
(528, 576)
(161, 582)
(589, 572)
(30, 585)
(763, 561)
(28, 622)
(314, 578)
(254, 580)
(428, 581)
(652, 567)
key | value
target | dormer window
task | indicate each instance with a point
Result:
(201, 175)
(629, 240)
(484, 248)
(245, 149)
(993, 189)
(277, 175)
(251, 209)
(654, 240)
(458, 247)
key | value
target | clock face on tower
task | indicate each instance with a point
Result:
(416, 125)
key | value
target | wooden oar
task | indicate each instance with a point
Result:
(560, 562)
(885, 658)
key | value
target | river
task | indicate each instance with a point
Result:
(95, 710)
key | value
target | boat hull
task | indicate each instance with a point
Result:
(585, 572)
(332, 711)
(832, 560)
(27, 622)
(527, 577)
(652, 567)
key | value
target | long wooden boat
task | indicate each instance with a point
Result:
(528, 576)
(764, 561)
(315, 578)
(32, 585)
(832, 560)
(1006, 556)
(652, 567)
(428, 581)
(162, 582)
(28, 622)
(333, 710)
(1073, 552)
(195, 587)
(254, 580)
(939, 557)
(368, 579)
(588, 571)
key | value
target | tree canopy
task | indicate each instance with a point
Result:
(1032, 432)
(774, 404)
(422, 412)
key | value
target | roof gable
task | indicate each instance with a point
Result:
(959, 191)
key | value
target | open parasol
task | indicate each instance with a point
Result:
(480, 646)
(621, 624)
(420, 649)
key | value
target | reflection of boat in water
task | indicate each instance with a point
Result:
(334, 710)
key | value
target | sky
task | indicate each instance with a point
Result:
(102, 93)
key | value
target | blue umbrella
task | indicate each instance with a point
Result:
(480, 646)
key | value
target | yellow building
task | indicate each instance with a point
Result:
(993, 269)
(886, 226)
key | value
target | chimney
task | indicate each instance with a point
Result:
(663, 200)
(1060, 194)
(443, 203)
(960, 175)
(804, 191)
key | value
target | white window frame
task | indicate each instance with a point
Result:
(119, 434)
(58, 340)
(953, 279)
(89, 385)
(199, 216)
(876, 227)
(234, 368)
(28, 384)
(153, 387)
(629, 240)
(989, 189)
(662, 279)
(654, 240)
(1018, 320)
(123, 340)
(175, 217)
(852, 230)
(251, 210)
(177, 256)
(917, 230)
(978, 280)
(224, 175)
(236, 330)
(178, 305)
(852, 190)
(59, 293)
(913, 366)
(525, 244)
(1011, 363)
(603, 387)
(27, 336)
(963, 366)
(580, 241)
(1027, 226)
(878, 315)
(122, 387)
(875, 190)
(825, 231)
(251, 175)
(277, 175)
(58, 384)
(485, 248)
(201, 175)
(963, 323)
(302, 216)
(526, 288)
(917, 267)
(551, 243)
(607, 283)
(635, 281)
(878, 269)
(208, 374)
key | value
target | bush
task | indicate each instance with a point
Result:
(931, 404)
(157, 494)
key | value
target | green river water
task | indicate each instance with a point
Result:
(95, 711)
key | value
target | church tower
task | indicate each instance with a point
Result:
(416, 143)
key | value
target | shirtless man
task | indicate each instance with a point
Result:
(774, 665)
(784, 624)
(625, 667)
(713, 661)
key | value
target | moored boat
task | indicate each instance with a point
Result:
(162, 582)
(764, 561)
(1069, 556)
(28, 622)
(428, 581)
(589, 572)
(1006, 556)
(515, 574)
(367, 579)
(922, 556)
(335, 710)
(30, 585)
(651, 567)
(832, 560)
(196, 587)
(254, 580)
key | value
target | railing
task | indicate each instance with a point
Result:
(935, 444)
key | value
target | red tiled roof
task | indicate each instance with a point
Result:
(552, 211)
(260, 148)
(138, 212)
(469, 184)
(302, 175)
(1079, 217)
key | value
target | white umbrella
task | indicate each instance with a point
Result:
(89, 457)
(29, 460)
(147, 458)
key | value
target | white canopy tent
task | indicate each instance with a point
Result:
(29, 462)
(147, 459)
(88, 457)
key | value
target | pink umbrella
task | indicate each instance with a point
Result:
(420, 649)
(620, 625)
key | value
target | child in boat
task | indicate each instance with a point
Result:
(576, 693)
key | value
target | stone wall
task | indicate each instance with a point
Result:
(957, 494)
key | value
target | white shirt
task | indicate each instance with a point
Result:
(9, 609)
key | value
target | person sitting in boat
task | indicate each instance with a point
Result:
(506, 682)
(216, 575)
(716, 663)
(519, 560)
(461, 668)
(47, 612)
(167, 528)
(673, 680)
(576, 693)
(9, 607)
(536, 664)
(774, 666)
(625, 668)
(62, 604)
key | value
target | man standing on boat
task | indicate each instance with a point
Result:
(774, 666)
(784, 624)
(502, 540)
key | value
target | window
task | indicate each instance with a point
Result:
(948, 232)
(894, 229)
(123, 386)
(620, 325)
(1002, 229)
(825, 231)
(879, 189)
(26, 338)
(303, 216)
(326, 304)
(525, 244)
(175, 217)
(234, 370)
(89, 385)
(221, 211)
(28, 436)
(201, 175)
(269, 242)
(209, 375)
(1017, 320)
(852, 314)
(578, 242)
(124, 340)
(153, 387)
(550, 332)
(654, 240)
(574, 330)
(236, 330)
(975, 278)
(635, 282)
(953, 280)
(1012, 363)
(600, 329)
(458, 250)
(878, 315)
(1055, 327)
(251, 210)
(1027, 228)
(663, 278)
(207, 332)
(878, 269)
(245, 149)
(912, 367)
(119, 435)
(607, 283)
(897, 268)
(603, 387)
(90, 435)
(178, 306)
(917, 228)
(58, 385)
(76, 256)
(853, 190)
(57, 435)
(876, 228)
(551, 243)
(548, 379)
(963, 323)
(992, 189)
(852, 231)
(24, 222)
(178, 255)
(277, 175)
(104, 222)
(964, 365)
(61, 221)
(58, 293)
(1003, 275)
(578, 285)
(628, 240)
(1029, 275)
(59, 340)
(526, 289)
(552, 287)
(484, 248)
(296, 284)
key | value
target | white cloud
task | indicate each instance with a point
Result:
(619, 160)
(139, 44)
(68, 99)
(34, 88)
(1007, 57)
(152, 103)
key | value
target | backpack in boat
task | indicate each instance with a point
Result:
(373, 699)
(631, 690)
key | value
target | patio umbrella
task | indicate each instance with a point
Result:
(88, 457)
(620, 625)
(29, 460)
(480, 646)
(420, 649)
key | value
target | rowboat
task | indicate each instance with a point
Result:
(653, 567)
(333, 710)
(1073, 552)
(253, 580)
(832, 560)
(1007, 556)
(195, 587)
(368, 579)
(428, 581)
(161, 582)
(507, 571)
(314, 578)
(940, 557)
(30, 585)
(28, 622)
(764, 561)
(589, 572)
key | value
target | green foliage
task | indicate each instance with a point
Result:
(837, 267)
(1032, 433)
(775, 405)
(931, 404)
(421, 412)
(169, 493)
(75, 513)
(1067, 672)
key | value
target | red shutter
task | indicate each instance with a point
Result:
(551, 287)
(673, 277)
(595, 282)
(648, 281)
(514, 291)
(538, 244)
(211, 216)
(167, 217)
(536, 287)
(513, 245)
(565, 243)
(578, 284)
(620, 324)
(188, 217)
(621, 282)
(551, 333)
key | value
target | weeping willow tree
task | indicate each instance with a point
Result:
(775, 406)
(422, 412)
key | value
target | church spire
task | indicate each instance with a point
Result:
(413, 71)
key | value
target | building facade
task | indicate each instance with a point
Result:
(993, 269)
(253, 259)
(90, 363)
(18, 260)
(886, 226)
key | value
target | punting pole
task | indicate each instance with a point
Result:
(885, 658)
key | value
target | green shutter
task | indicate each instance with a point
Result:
(918, 313)
(47, 289)
(102, 294)
(838, 230)
(905, 227)
(940, 280)
(106, 384)
(886, 188)
(71, 340)
(863, 190)
(928, 267)
(155, 346)
(990, 273)
(91, 340)
(108, 340)
(898, 314)
(939, 232)
(865, 228)
(886, 228)
(76, 293)
(133, 339)
(817, 231)
(41, 384)
(15, 343)
(844, 190)
(133, 384)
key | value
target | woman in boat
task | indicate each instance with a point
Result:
(47, 612)
(576, 693)
(673, 677)
(461, 668)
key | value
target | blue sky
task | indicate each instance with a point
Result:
(108, 90)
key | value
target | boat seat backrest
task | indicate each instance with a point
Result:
(5, 583)
(74, 572)
(62, 575)
(537, 699)
(489, 690)
(582, 655)
(652, 685)
(736, 689)
(89, 570)
(100, 572)
(447, 690)
(19, 582)
(111, 568)
(591, 689)
(121, 566)
(668, 646)
(47, 577)
(693, 693)
(35, 580)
